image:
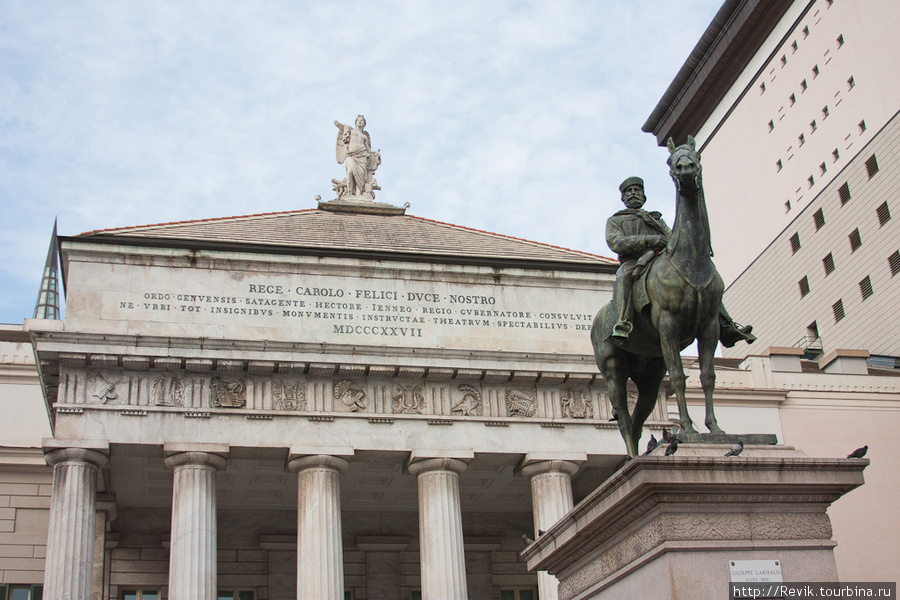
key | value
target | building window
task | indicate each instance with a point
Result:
(792, 99)
(850, 83)
(787, 206)
(802, 139)
(822, 169)
(135, 594)
(813, 126)
(518, 594)
(825, 112)
(21, 592)
(838, 310)
(844, 193)
(794, 46)
(894, 262)
(835, 155)
(762, 87)
(811, 180)
(855, 240)
(862, 126)
(828, 263)
(804, 286)
(819, 219)
(865, 287)
(236, 595)
(783, 60)
(815, 71)
(779, 165)
(840, 40)
(805, 32)
(871, 166)
(795, 243)
(803, 86)
(884, 213)
(771, 125)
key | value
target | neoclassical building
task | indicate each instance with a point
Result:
(353, 402)
(346, 401)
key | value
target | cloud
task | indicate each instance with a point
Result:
(514, 116)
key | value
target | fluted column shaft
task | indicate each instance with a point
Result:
(442, 560)
(68, 574)
(192, 553)
(551, 498)
(320, 552)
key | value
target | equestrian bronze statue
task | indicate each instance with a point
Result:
(668, 293)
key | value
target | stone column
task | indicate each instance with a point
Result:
(192, 553)
(442, 560)
(68, 574)
(551, 498)
(320, 552)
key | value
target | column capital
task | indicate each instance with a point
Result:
(423, 465)
(539, 467)
(91, 456)
(301, 463)
(216, 461)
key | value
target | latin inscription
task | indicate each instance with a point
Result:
(339, 309)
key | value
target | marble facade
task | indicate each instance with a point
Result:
(292, 426)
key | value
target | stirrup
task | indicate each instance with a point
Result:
(622, 330)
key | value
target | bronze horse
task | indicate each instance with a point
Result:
(676, 300)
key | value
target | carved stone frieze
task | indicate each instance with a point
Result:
(289, 395)
(408, 399)
(228, 392)
(520, 403)
(167, 391)
(793, 526)
(350, 396)
(577, 405)
(470, 405)
(708, 526)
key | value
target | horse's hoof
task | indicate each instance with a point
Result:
(714, 428)
(689, 428)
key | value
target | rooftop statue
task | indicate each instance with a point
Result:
(354, 151)
(667, 294)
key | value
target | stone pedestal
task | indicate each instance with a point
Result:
(667, 527)
(551, 498)
(192, 554)
(320, 555)
(69, 566)
(442, 559)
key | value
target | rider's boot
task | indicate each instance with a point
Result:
(730, 333)
(623, 326)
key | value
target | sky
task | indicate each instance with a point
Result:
(516, 117)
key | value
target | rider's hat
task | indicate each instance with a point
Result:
(631, 181)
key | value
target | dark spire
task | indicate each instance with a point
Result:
(47, 306)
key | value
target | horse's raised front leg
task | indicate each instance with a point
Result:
(668, 336)
(706, 343)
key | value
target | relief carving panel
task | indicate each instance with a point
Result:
(228, 393)
(470, 405)
(289, 395)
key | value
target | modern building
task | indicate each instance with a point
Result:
(794, 106)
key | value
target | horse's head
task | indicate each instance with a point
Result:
(684, 167)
